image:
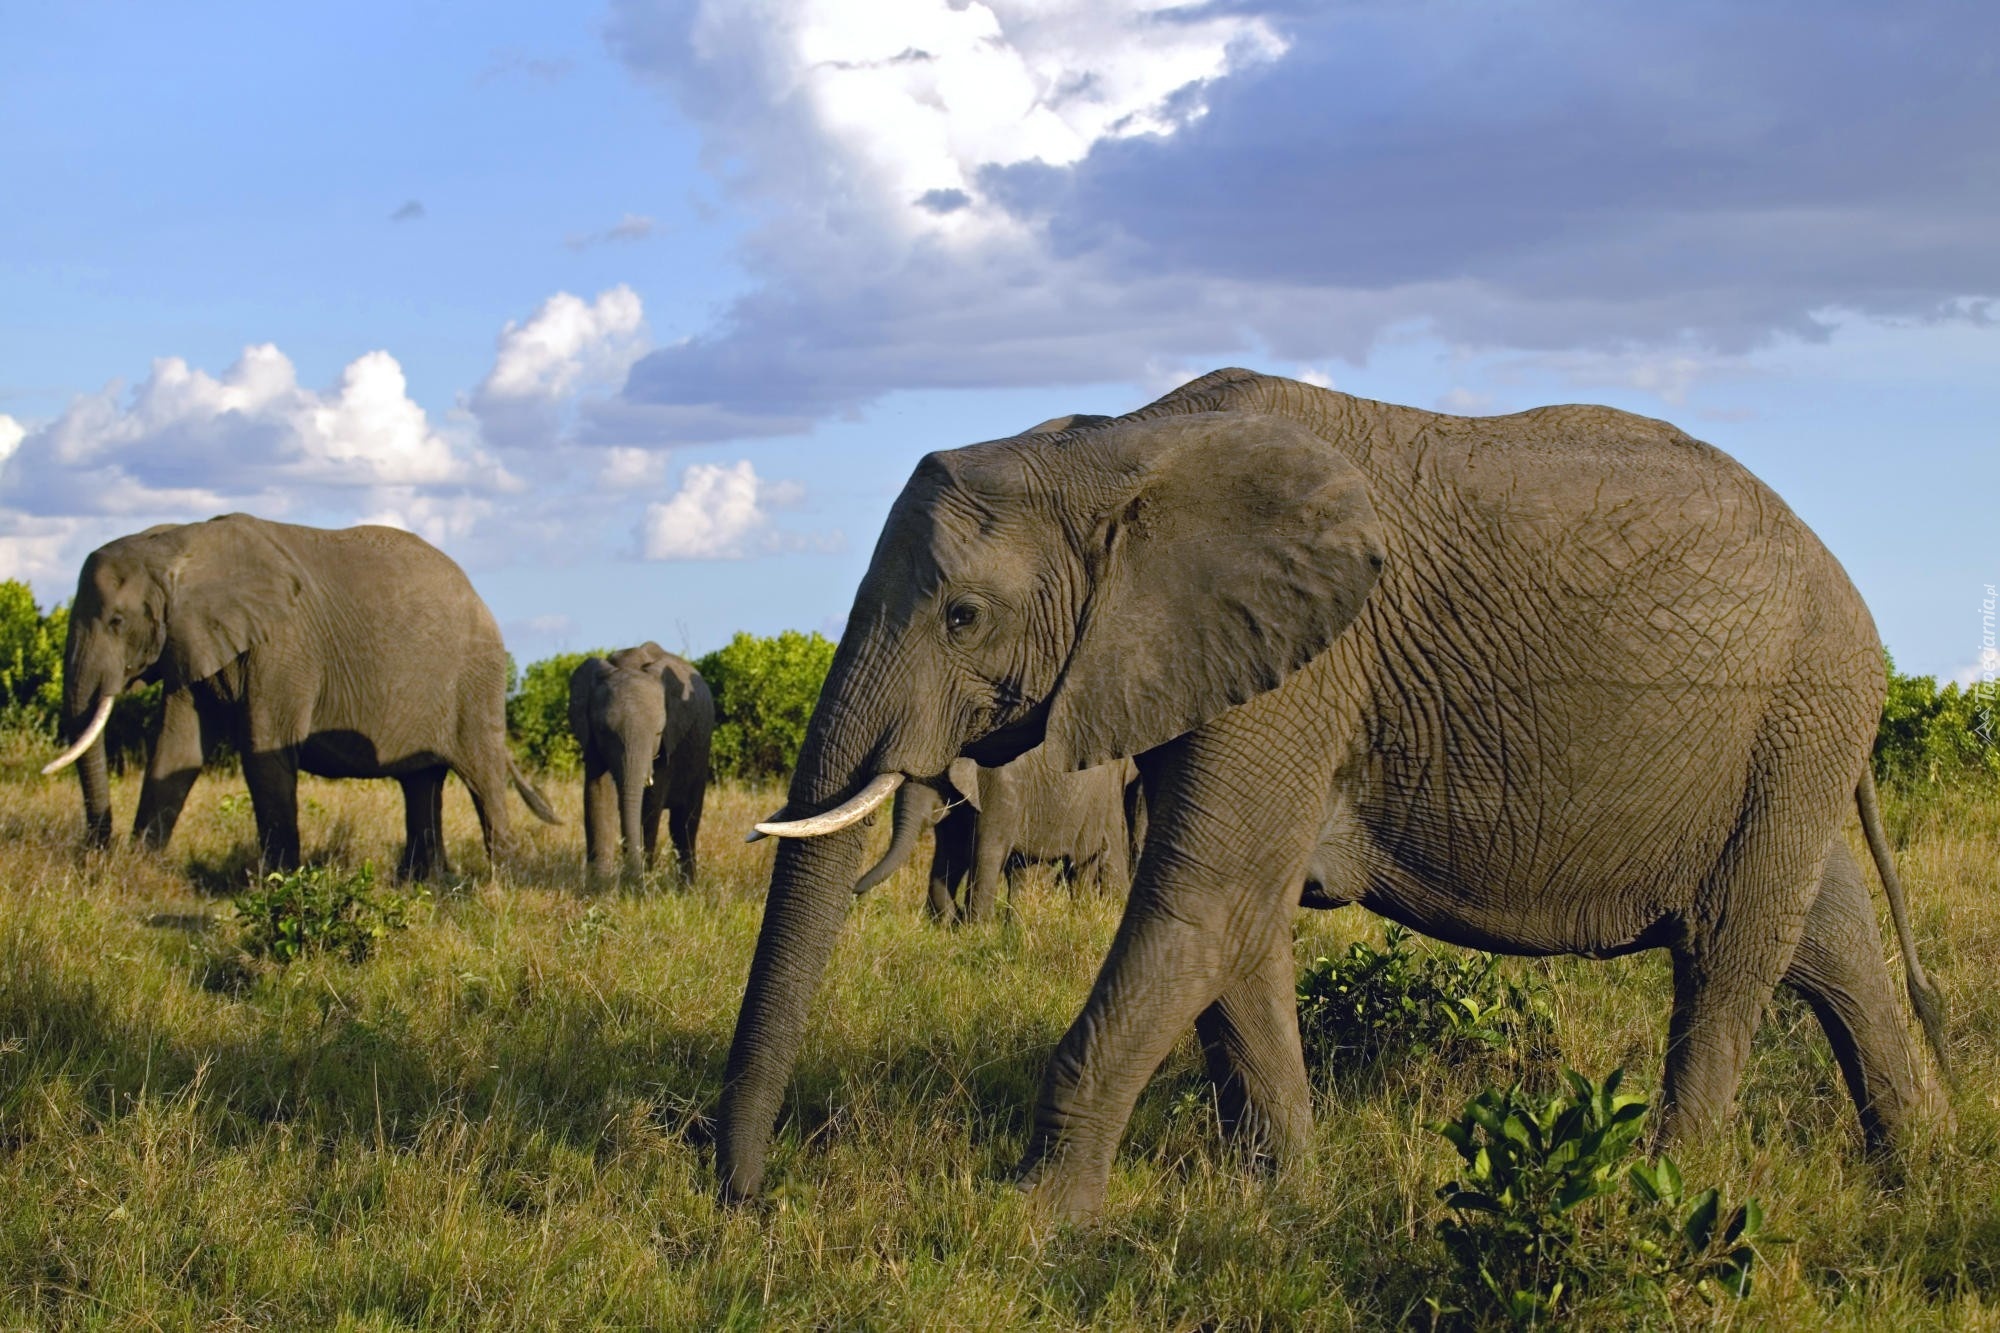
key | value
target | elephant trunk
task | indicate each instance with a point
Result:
(802, 917)
(85, 702)
(632, 779)
(915, 805)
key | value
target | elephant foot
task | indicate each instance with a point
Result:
(1061, 1187)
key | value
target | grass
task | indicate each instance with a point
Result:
(500, 1119)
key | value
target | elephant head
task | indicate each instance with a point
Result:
(618, 712)
(175, 603)
(1099, 591)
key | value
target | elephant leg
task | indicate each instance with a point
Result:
(1177, 953)
(178, 752)
(951, 859)
(1250, 1037)
(649, 818)
(1838, 968)
(1749, 919)
(424, 854)
(990, 850)
(273, 779)
(600, 818)
(683, 826)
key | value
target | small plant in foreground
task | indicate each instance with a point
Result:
(316, 909)
(1542, 1230)
(1372, 1004)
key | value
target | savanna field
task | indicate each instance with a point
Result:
(499, 1118)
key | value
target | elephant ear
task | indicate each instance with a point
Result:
(583, 683)
(1225, 550)
(964, 777)
(230, 586)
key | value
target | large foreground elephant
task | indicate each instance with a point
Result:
(1566, 681)
(644, 721)
(350, 653)
(1022, 813)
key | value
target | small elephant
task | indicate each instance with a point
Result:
(644, 720)
(347, 653)
(1017, 814)
(1564, 681)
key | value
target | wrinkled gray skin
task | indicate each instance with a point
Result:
(644, 720)
(1565, 681)
(1022, 813)
(348, 653)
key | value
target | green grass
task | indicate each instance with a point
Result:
(500, 1119)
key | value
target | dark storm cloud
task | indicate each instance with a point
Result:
(1725, 168)
(1550, 177)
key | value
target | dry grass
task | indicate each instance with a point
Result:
(500, 1120)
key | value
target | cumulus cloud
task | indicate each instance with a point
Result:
(566, 348)
(718, 512)
(183, 438)
(967, 194)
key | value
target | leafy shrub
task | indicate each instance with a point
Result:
(1541, 1233)
(764, 689)
(538, 712)
(31, 649)
(1370, 1005)
(316, 909)
(1932, 737)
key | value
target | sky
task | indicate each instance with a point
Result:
(644, 311)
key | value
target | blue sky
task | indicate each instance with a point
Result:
(644, 311)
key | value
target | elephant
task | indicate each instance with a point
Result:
(1562, 681)
(1021, 812)
(644, 720)
(348, 653)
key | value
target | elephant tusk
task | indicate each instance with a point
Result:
(84, 742)
(841, 816)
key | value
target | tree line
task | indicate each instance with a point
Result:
(1931, 735)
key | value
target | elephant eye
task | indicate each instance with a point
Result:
(961, 616)
(114, 621)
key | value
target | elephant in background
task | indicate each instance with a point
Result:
(644, 721)
(1565, 681)
(346, 653)
(1024, 812)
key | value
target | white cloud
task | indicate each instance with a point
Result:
(715, 514)
(440, 520)
(1465, 402)
(185, 439)
(12, 433)
(551, 367)
(41, 551)
(568, 342)
(628, 469)
(916, 97)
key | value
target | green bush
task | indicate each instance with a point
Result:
(315, 909)
(538, 712)
(1541, 1235)
(1371, 1005)
(1932, 737)
(764, 689)
(31, 649)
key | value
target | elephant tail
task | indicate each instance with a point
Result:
(1925, 997)
(536, 802)
(911, 810)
